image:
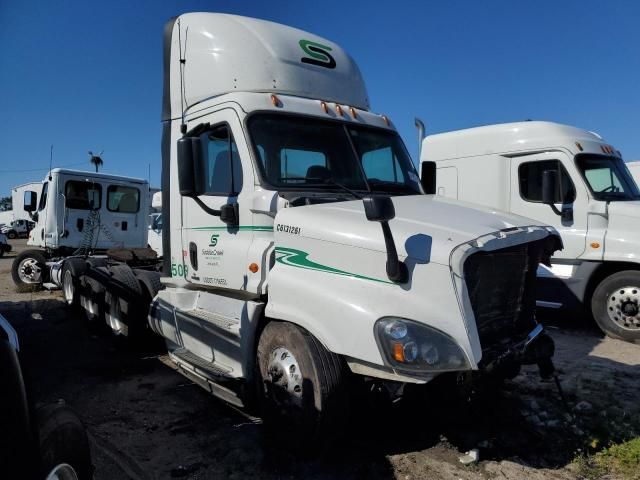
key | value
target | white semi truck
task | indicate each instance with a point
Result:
(300, 250)
(571, 179)
(634, 168)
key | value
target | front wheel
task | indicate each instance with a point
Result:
(301, 385)
(29, 268)
(12, 235)
(616, 305)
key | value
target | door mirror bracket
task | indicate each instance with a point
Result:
(380, 209)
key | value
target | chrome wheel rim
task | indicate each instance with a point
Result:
(623, 307)
(64, 471)
(29, 271)
(283, 372)
(67, 287)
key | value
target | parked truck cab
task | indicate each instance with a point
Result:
(300, 250)
(81, 212)
(571, 179)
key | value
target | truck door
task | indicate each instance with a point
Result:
(215, 253)
(526, 198)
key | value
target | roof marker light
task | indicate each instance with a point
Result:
(275, 101)
(339, 110)
(324, 106)
(603, 149)
(354, 114)
(579, 146)
(386, 120)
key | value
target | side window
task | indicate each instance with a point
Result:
(530, 178)
(296, 165)
(221, 169)
(382, 165)
(43, 196)
(82, 195)
(123, 199)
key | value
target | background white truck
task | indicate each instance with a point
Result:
(634, 168)
(571, 179)
(286, 271)
(81, 213)
(17, 228)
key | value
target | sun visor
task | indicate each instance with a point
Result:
(228, 53)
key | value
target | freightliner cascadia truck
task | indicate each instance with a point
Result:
(571, 179)
(301, 252)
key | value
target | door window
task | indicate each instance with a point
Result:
(43, 196)
(221, 171)
(82, 195)
(123, 199)
(530, 179)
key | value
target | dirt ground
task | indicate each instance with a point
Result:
(146, 421)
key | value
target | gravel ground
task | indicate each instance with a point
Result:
(146, 421)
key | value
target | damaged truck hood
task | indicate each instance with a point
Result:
(424, 226)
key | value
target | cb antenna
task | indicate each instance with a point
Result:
(183, 60)
(50, 161)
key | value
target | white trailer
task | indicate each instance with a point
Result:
(300, 251)
(634, 168)
(571, 179)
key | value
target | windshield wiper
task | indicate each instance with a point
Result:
(326, 181)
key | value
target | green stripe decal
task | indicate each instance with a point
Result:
(244, 228)
(298, 258)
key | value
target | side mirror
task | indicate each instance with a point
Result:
(30, 200)
(428, 177)
(549, 186)
(188, 158)
(230, 214)
(379, 209)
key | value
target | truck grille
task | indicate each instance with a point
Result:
(501, 288)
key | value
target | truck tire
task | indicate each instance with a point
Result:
(11, 234)
(63, 443)
(17, 452)
(301, 386)
(122, 316)
(29, 268)
(72, 270)
(615, 305)
(150, 281)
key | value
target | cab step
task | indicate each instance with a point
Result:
(50, 286)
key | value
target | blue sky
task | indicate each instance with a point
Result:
(85, 75)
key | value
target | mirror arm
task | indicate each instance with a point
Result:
(396, 270)
(555, 209)
(205, 207)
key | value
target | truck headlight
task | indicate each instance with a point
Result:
(412, 346)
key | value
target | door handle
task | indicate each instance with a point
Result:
(193, 255)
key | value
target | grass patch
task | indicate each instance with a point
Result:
(619, 459)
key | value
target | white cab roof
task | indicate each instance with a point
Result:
(229, 53)
(509, 138)
(101, 176)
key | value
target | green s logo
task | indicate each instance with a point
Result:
(318, 54)
(213, 241)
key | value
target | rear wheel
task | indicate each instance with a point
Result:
(125, 318)
(301, 385)
(72, 269)
(615, 305)
(63, 443)
(29, 268)
(12, 234)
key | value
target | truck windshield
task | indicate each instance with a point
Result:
(302, 153)
(608, 178)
